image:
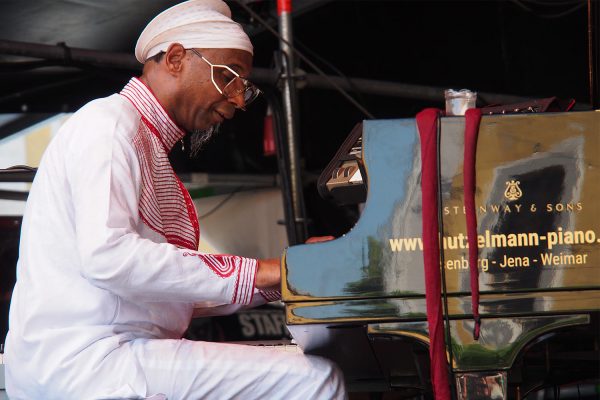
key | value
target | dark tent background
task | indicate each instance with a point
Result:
(524, 48)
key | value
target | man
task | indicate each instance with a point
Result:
(109, 275)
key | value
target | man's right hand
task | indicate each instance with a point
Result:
(268, 276)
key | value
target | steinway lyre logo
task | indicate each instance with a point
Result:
(513, 191)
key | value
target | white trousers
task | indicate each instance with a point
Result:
(183, 369)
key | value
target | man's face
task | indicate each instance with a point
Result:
(198, 103)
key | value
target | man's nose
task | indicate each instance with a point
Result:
(238, 101)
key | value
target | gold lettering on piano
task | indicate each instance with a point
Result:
(513, 191)
(559, 248)
(490, 240)
(463, 263)
(506, 262)
(515, 208)
(512, 262)
(550, 259)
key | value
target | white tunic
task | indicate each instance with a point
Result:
(108, 275)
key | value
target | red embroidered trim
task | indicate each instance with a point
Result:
(270, 295)
(163, 205)
(427, 126)
(247, 272)
(191, 209)
(148, 106)
(244, 296)
(221, 265)
(235, 289)
(225, 265)
(154, 132)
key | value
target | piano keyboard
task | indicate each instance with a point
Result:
(282, 345)
(343, 180)
(2, 382)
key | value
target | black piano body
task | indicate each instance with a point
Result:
(360, 299)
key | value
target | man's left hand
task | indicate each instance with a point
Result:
(317, 239)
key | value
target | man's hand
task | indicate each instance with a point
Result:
(268, 276)
(317, 239)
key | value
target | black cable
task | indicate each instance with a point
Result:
(336, 70)
(305, 59)
(19, 66)
(563, 14)
(41, 88)
(520, 4)
(553, 3)
(221, 204)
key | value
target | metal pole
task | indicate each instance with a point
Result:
(593, 22)
(70, 55)
(290, 105)
(273, 97)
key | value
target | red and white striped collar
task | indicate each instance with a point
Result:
(150, 108)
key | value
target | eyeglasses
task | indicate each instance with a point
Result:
(235, 86)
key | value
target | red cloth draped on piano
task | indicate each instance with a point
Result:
(427, 123)
(472, 119)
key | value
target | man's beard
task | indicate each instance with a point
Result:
(200, 137)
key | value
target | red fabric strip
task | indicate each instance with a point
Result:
(165, 206)
(191, 209)
(142, 98)
(472, 119)
(427, 122)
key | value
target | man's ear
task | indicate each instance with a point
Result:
(174, 58)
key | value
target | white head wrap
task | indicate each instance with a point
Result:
(203, 24)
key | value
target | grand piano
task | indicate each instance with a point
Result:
(360, 299)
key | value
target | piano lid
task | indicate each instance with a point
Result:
(537, 210)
